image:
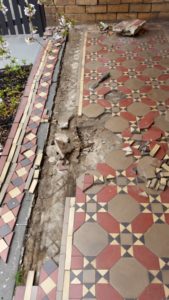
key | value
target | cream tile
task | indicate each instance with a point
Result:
(21, 172)
(29, 153)
(8, 217)
(15, 192)
(3, 245)
(48, 285)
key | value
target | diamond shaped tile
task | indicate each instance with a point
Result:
(134, 84)
(3, 245)
(8, 217)
(48, 285)
(15, 192)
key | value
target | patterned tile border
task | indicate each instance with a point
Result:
(21, 157)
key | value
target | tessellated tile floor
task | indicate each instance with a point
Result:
(116, 230)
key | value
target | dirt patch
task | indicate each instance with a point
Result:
(12, 83)
(90, 143)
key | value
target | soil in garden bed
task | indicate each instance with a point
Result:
(12, 83)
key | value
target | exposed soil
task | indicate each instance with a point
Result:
(90, 142)
(12, 84)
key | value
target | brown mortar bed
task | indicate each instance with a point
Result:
(12, 85)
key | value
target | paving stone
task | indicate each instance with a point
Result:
(157, 239)
(49, 266)
(129, 277)
(84, 241)
(4, 230)
(117, 124)
(118, 160)
(93, 110)
(161, 122)
(138, 109)
(123, 208)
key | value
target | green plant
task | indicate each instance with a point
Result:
(19, 277)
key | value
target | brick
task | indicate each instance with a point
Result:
(147, 16)
(163, 7)
(152, 1)
(133, 1)
(118, 8)
(74, 9)
(86, 2)
(109, 1)
(106, 17)
(96, 9)
(64, 2)
(82, 18)
(126, 16)
(140, 7)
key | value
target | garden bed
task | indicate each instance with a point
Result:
(13, 79)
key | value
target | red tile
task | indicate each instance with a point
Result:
(43, 275)
(146, 257)
(148, 101)
(75, 251)
(104, 103)
(130, 172)
(13, 130)
(108, 257)
(147, 120)
(4, 254)
(77, 262)
(167, 218)
(79, 219)
(8, 238)
(165, 196)
(164, 87)
(152, 134)
(107, 292)
(40, 294)
(19, 292)
(7, 147)
(153, 292)
(88, 181)
(80, 196)
(162, 151)
(142, 223)
(135, 191)
(52, 295)
(54, 275)
(123, 78)
(128, 116)
(76, 291)
(125, 102)
(108, 222)
(105, 169)
(107, 193)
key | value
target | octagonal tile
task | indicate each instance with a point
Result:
(94, 65)
(158, 95)
(138, 109)
(116, 124)
(90, 239)
(94, 48)
(129, 277)
(162, 123)
(123, 208)
(93, 110)
(134, 84)
(152, 72)
(146, 167)
(118, 161)
(131, 63)
(157, 239)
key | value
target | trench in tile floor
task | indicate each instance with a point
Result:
(124, 239)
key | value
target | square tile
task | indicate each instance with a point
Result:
(49, 266)
(25, 162)
(15, 192)
(48, 285)
(21, 172)
(29, 153)
(4, 230)
(35, 118)
(121, 181)
(18, 181)
(30, 136)
(91, 207)
(8, 217)
(126, 239)
(89, 276)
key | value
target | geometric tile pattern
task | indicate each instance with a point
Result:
(14, 190)
(119, 246)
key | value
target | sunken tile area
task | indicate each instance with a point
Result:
(116, 231)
